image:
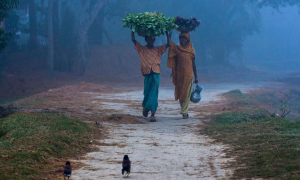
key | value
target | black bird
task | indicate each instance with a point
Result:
(126, 165)
(97, 123)
(67, 170)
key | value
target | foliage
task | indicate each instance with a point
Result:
(4, 37)
(190, 23)
(5, 6)
(278, 3)
(12, 26)
(152, 24)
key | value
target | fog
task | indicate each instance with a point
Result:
(276, 46)
(78, 88)
(86, 40)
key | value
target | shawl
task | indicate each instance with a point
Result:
(174, 50)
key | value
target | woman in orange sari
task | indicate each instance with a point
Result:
(182, 61)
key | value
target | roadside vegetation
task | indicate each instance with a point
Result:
(264, 144)
(36, 145)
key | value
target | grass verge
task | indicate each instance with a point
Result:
(264, 147)
(33, 144)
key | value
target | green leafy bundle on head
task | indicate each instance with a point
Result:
(149, 24)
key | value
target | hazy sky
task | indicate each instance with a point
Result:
(277, 46)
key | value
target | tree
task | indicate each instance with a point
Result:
(110, 10)
(33, 24)
(88, 14)
(5, 6)
(224, 25)
(230, 22)
(278, 3)
(68, 38)
(50, 39)
(56, 36)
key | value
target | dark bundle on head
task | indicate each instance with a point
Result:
(68, 163)
(190, 23)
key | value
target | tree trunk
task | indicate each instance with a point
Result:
(82, 44)
(107, 35)
(2, 24)
(83, 28)
(32, 25)
(50, 39)
(95, 33)
(101, 22)
(42, 9)
(55, 16)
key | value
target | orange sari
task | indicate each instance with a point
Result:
(180, 59)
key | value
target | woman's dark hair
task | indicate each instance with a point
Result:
(68, 163)
(184, 37)
(146, 37)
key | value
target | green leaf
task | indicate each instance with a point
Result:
(150, 23)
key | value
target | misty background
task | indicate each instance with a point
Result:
(276, 46)
(61, 41)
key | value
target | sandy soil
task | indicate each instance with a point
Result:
(171, 148)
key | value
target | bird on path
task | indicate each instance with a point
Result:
(67, 170)
(126, 165)
(97, 123)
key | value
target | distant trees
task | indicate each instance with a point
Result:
(5, 6)
(64, 30)
(278, 3)
(111, 9)
(91, 28)
(225, 25)
(60, 25)
(50, 38)
(88, 14)
(67, 53)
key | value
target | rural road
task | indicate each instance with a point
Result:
(171, 148)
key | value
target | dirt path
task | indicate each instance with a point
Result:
(171, 148)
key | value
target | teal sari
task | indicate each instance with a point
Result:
(151, 85)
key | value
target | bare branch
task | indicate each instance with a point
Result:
(285, 114)
(86, 24)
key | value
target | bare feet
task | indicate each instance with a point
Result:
(185, 116)
(152, 118)
(145, 113)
